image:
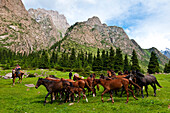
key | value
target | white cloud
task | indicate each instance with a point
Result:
(146, 21)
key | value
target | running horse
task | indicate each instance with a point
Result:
(14, 75)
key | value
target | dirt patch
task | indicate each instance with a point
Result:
(168, 106)
(30, 85)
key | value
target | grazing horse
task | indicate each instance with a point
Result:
(14, 75)
(114, 84)
(145, 80)
(51, 86)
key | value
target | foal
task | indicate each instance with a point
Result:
(75, 90)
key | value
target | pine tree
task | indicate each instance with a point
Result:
(167, 68)
(98, 61)
(82, 58)
(90, 59)
(126, 64)
(118, 63)
(72, 59)
(94, 65)
(103, 58)
(134, 60)
(111, 59)
(153, 64)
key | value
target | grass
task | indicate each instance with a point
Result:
(22, 99)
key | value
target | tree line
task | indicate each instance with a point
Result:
(78, 61)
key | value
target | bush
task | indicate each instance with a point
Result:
(59, 68)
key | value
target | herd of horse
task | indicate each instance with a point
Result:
(67, 88)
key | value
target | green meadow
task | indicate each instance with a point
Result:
(22, 99)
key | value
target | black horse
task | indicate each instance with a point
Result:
(145, 80)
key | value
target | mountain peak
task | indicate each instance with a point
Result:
(166, 52)
(94, 21)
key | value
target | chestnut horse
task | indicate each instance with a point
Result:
(75, 90)
(19, 75)
(114, 84)
(87, 81)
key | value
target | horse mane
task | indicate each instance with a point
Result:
(140, 74)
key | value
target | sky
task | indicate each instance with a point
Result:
(145, 21)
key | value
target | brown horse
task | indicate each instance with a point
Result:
(114, 84)
(75, 90)
(14, 75)
(51, 86)
(88, 83)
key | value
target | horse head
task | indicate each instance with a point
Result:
(102, 76)
(39, 82)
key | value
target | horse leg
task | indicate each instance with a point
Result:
(14, 81)
(142, 91)
(154, 88)
(132, 93)
(122, 91)
(19, 79)
(67, 97)
(127, 93)
(52, 98)
(84, 91)
(79, 97)
(46, 97)
(105, 91)
(85, 97)
(111, 97)
(146, 90)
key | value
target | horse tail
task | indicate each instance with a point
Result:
(158, 84)
(134, 84)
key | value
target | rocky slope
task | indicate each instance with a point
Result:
(51, 21)
(92, 33)
(20, 32)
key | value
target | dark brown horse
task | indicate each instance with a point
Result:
(51, 86)
(114, 84)
(145, 80)
(14, 75)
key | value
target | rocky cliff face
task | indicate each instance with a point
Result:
(50, 19)
(20, 32)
